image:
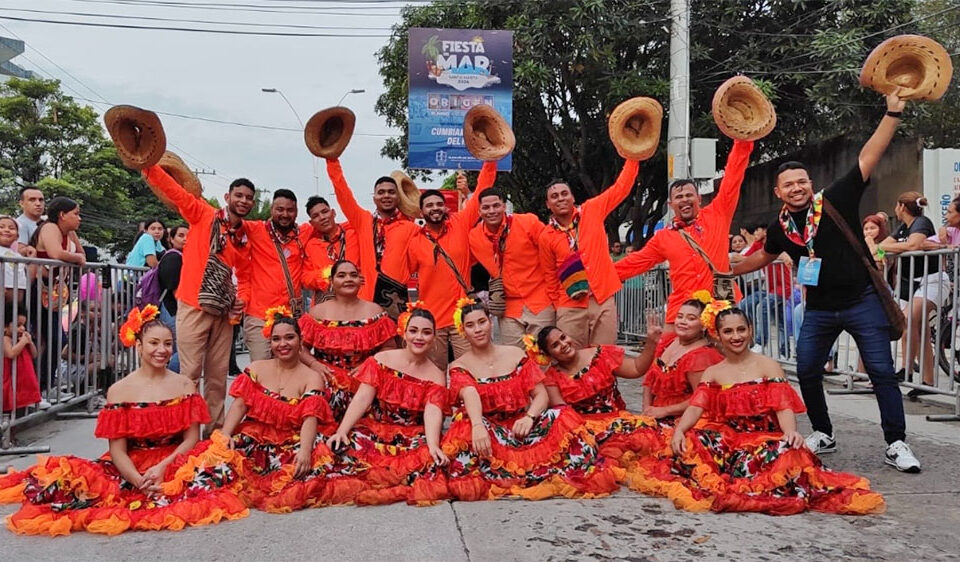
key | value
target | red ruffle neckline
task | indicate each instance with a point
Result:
(143, 420)
(276, 410)
(347, 337)
(506, 393)
(590, 381)
(399, 389)
(753, 398)
(672, 380)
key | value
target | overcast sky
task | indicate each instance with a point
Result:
(220, 76)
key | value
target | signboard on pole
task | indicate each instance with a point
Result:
(450, 71)
(941, 179)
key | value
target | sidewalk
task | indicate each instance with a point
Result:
(921, 521)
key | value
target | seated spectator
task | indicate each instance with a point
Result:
(149, 247)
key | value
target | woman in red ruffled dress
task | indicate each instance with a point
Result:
(586, 379)
(674, 363)
(156, 475)
(505, 438)
(390, 433)
(746, 455)
(279, 422)
(342, 332)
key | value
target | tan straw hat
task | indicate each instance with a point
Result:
(409, 194)
(918, 65)
(328, 132)
(137, 134)
(486, 133)
(742, 111)
(634, 128)
(179, 171)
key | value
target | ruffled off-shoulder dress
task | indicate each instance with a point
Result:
(559, 456)
(66, 493)
(736, 459)
(668, 384)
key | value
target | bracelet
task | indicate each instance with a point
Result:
(532, 418)
(895, 114)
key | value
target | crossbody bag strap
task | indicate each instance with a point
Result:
(283, 264)
(841, 223)
(502, 245)
(438, 249)
(696, 247)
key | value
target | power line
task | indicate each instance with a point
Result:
(326, 11)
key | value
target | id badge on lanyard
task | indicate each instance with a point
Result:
(808, 271)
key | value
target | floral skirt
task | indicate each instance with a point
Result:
(623, 436)
(559, 457)
(342, 388)
(743, 466)
(64, 494)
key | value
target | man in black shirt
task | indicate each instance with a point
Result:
(840, 296)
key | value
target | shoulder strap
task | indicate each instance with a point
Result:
(438, 250)
(875, 276)
(502, 243)
(696, 247)
(283, 264)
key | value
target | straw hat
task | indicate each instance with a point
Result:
(486, 133)
(179, 171)
(742, 111)
(328, 132)
(409, 194)
(634, 128)
(918, 65)
(137, 134)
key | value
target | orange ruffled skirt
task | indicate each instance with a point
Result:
(558, 458)
(64, 494)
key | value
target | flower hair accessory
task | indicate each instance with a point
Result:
(135, 321)
(709, 315)
(533, 350)
(703, 296)
(325, 277)
(271, 316)
(458, 313)
(404, 317)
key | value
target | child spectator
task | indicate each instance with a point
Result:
(20, 353)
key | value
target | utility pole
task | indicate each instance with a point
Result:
(678, 127)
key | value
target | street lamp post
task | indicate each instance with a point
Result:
(353, 91)
(313, 159)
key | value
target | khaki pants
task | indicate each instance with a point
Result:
(594, 325)
(257, 343)
(446, 337)
(512, 330)
(204, 341)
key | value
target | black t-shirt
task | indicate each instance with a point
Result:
(921, 265)
(843, 277)
(168, 277)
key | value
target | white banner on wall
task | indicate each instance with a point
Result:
(941, 179)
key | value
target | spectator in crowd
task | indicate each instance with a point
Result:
(19, 350)
(948, 236)
(168, 275)
(922, 288)
(616, 250)
(15, 275)
(628, 249)
(737, 244)
(32, 207)
(876, 230)
(149, 246)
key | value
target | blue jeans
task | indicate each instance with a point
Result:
(866, 321)
(171, 322)
(770, 304)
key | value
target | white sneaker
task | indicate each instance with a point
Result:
(821, 443)
(43, 404)
(899, 456)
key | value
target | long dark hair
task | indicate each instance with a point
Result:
(542, 336)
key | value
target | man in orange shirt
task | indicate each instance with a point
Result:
(383, 237)
(325, 242)
(575, 256)
(709, 227)
(203, 339)
(276, 261)
(508, 247)
(440, 256)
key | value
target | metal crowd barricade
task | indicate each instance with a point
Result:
(639, 294)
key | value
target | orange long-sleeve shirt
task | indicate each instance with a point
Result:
(439, 288)
(322, 253)
(523, 278)
(268, 284)
(398, 233)
(688, 271)
(199, 215)
(592, 243)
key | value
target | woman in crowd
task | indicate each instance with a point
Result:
(586, 379)
(273, 422)
(674, 362)
(395, 446)
(505, 438)
(738, 243)
(156, 474)
(747, 455)
(876, 230)
(149, 247)
(923, 288)
(168, 278)
(342, 332)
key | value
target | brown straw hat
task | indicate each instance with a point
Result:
(328, 132)
(742, 111)
(486, 133)
(918, 65)
(179, 171)
(137, 134)
(634, 128)
(409, 194)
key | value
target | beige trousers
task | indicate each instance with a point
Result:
(204, 341)
(512, 330)
(594, 325)
(257, 343)
(446, 337)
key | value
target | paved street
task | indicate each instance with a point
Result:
(921, 521)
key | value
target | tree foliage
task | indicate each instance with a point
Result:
(575, 60)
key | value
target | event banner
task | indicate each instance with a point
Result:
(450, 71)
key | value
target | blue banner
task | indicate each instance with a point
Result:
(450, 71)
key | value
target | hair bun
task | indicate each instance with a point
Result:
(922, 201)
